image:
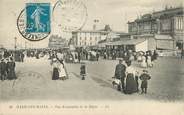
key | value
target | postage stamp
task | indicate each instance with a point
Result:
(38, 17)
(33, 22)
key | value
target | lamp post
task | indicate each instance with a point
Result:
(25, 45)
(15, 46)
(15, 43)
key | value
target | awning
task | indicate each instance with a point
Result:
(127, 42)
(163, 37)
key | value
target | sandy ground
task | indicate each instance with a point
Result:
(34, 82)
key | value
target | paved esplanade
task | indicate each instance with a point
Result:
(34, 82)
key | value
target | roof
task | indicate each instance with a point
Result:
(166, 13)
(169, 11)
(127, 42)
(89, 31)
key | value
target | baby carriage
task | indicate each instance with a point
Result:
(116, 83)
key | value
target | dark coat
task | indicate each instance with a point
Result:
(120, 71)
(144, 78)
(83, 70)
(11, 70)
(3, 68)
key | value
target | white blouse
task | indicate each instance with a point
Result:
(130, 70)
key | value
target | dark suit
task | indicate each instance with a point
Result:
(120, 73)
(3, 70)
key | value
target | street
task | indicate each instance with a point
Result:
(34, 82)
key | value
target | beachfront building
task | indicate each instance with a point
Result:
(85, 38)
(57, 42)
(166, 27)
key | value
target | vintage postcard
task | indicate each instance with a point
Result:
(86, 57)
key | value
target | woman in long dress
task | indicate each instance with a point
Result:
(149, 62)
(62, 71)
(131, 85)
(11, 69)
(55, 73)
(139, 58)
(143, 63)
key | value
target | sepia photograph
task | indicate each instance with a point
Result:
(123, 57)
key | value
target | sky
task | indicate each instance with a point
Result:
(116, 13)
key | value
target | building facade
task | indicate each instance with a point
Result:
(169, 22)
(88, 38)
(56, 42)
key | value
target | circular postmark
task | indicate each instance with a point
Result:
(70, 15)
(29, 79)
(31, 36)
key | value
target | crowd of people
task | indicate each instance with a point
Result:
(126, 77)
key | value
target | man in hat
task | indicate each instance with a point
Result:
(120, 73)
(144, 77)
(3, 68)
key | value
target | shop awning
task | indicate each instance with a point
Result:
(163, 37)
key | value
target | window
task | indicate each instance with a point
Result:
(178, 24)
(181, 24)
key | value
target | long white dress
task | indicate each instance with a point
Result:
(150, 64)
(62, 72)
(143, 63)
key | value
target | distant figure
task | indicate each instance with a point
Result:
(143, 63)
(83, 70)
(155, 55)
(22, 57)
(86, 55)
(144, 77)
(79, 57)
(120, 73)
(11, 69)
(182, 53)
(3, 69)
(137, 81)
(97, 56)
(149, 62)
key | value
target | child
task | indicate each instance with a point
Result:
(83, 70)
(144, 77)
